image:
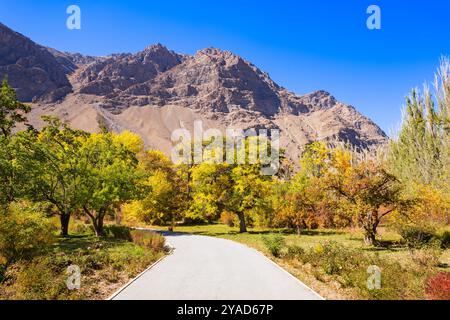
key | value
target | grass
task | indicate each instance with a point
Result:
(392, 254)
(106, 264)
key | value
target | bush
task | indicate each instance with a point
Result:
(274, 244)
(438, 287)
(228, 218)
(148, 239)
(334, 258)
(295, 251)
(426, 257)
(118, 232)
(416, 236)
(24, 230)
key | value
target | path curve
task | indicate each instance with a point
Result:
(206, 268)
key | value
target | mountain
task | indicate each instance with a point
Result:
(32, 69)
(156, 91)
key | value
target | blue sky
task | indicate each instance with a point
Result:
(303, 45)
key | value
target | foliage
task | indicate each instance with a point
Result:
(421, 151)
(274, 244)
(108, 175)
(438, 286)
(249, 191)
(417, 236)
(11, 109)
(53, 167)
(368, 192)
(210, 187)
(228, 218)
(24, 230)
(166, 200)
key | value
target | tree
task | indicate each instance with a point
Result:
(303, 202)
(369, 193)
(166, 199)
(12, 112)
(11, 109)
(210, 185)
(13, 171)
(53, 163)
(249, 191)
(108, 174)
(421, 151)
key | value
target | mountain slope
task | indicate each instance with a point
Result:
(31, 69)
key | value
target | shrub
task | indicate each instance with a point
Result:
(274, 244)
(416, 236)
(24, 230)
(334, 258)
(438, 286)
(37, 279)
(427, 257)
(118, 232)
(295, 251)
(148, 239)
(228, 218)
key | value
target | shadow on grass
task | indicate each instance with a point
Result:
(84, 242)
(256, 232)
(385, 245)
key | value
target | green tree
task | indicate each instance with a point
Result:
(421, 151)
(11, 109)
(12, 112)
(53, 167)
(108, 175)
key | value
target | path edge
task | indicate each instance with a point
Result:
(117, 292)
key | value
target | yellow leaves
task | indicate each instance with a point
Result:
(130, 141)
(342, 160)
(133, 212)
(432, 205)
(319, 249)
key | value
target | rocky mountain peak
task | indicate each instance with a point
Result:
(35, 73)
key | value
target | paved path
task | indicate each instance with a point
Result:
(207, 268)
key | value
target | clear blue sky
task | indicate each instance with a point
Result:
(303, 45)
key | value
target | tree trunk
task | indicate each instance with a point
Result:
(242, 226)
(65, 219)
(370, 224)
(172, 224)
(98, 227)
(370, 238)
(299, 230)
